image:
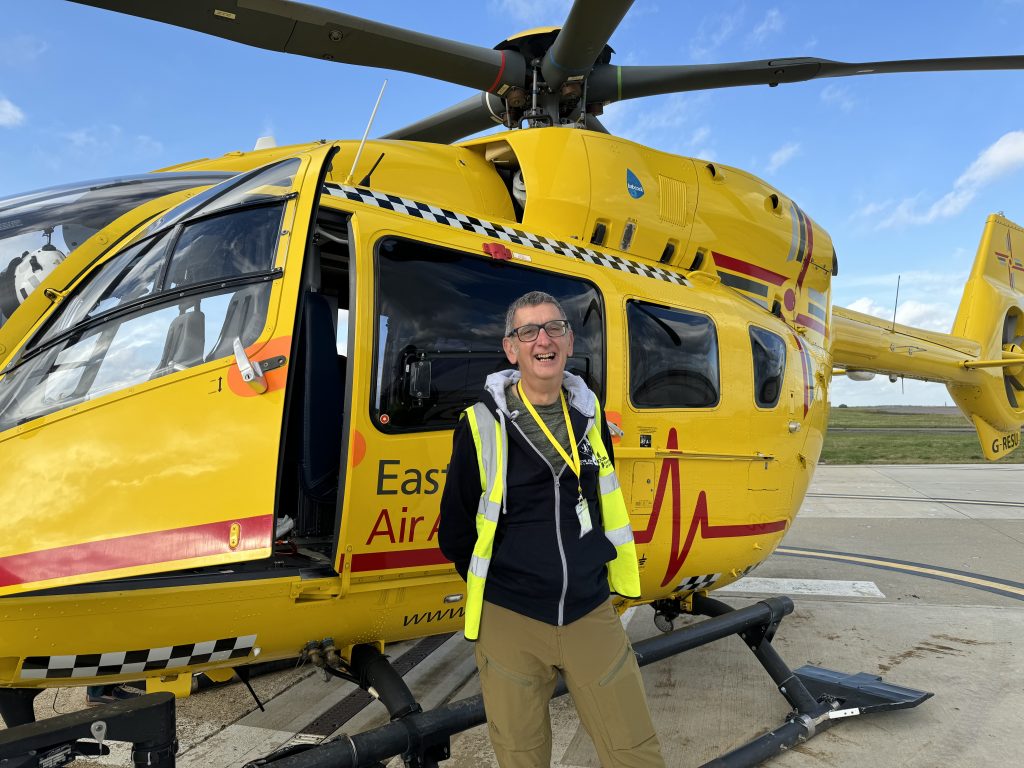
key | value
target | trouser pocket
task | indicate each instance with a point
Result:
(621, 705)
(516, 704)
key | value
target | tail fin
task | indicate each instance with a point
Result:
(992, 314)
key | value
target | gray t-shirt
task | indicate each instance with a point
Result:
(553, 419)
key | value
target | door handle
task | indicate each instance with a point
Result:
(252, 372)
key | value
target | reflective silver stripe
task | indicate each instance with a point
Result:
(489, 509)
(620, 536)
(608, 483)
(478, 566)
(485, 425)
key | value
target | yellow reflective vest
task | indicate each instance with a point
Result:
(491, 442)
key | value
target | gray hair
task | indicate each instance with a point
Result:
(531, 299)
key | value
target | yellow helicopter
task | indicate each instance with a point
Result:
(230, 385)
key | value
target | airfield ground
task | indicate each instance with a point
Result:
(923, 622)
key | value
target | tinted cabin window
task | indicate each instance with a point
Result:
(440, 320)
(769, 352)
(673, 358)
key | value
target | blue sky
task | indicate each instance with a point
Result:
(900, 169)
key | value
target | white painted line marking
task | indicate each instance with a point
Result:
(820, 587)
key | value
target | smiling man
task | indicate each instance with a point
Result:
(533, 519)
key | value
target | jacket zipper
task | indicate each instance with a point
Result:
(558, 521)
(558, 518)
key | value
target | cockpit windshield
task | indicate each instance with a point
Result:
(39, 229)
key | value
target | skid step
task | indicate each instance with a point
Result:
(862, 692)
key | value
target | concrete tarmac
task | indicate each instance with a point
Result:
(925, 591)
(956, 640)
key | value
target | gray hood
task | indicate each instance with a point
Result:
(579, 395)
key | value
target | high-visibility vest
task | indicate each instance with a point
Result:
(492, 458)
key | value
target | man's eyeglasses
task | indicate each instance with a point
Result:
(553, 328)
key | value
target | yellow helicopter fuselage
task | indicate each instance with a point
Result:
(141, 520)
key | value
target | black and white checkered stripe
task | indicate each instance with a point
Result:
(136, 662)
(697, 583)
(486, 228)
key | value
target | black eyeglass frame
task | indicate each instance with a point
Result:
(563, 324)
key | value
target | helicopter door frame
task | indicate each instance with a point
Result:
(414, 308)
(129, 452)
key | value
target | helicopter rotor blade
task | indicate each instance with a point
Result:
(322, 33)
(610, 83)
(581, 39)
(475, 114)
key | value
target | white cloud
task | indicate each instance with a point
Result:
(94, 139)
(21, 50)
(147, 146)
(772, 23)
(665, 126)
(928, 316)
(782, 155)
(866, 305)
(1005, 156)
(912, 279)
(99, 141)
(1002, 158)
(932, 316)
(10, 115)
(838, 96)
(534, 11)
(700, 136)
(713, 31)
(636, 124)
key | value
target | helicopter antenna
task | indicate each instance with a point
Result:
(897, 303)
(348, 179)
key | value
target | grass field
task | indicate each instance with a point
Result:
(903, 436)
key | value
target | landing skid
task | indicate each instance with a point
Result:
(819, 698)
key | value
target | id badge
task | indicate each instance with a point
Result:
(583, 515)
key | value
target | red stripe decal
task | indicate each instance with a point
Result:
(409, 558)
(501, 71)
(746, 268)
(699, 521)
(810, 252)
(811, 323)
(158, 547)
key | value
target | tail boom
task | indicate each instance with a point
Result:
(981, 362)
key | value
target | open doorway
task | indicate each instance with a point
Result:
(309, 489)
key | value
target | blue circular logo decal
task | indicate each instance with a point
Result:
(633, 185)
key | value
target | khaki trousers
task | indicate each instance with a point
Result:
(519, 660)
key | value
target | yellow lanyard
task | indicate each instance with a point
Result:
(574, 461)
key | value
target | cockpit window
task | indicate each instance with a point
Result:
(131, 275)
(39, 229)
(267, 183)
(168, 302)
(226, 246)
